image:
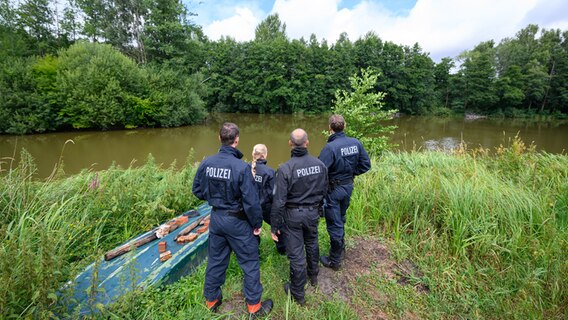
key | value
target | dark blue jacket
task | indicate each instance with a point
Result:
(227, 184)
(344, 157)
(264, 180)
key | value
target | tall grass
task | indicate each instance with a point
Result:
(489, 232)
(51, 229)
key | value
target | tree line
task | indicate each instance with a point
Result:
(119, 64)
(101, 64)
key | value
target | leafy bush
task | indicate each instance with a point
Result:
(363, 111)
(91, 85)
(178, 95)
(95, 86)
(441, 111)
(26, 95)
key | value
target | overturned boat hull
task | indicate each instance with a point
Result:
(103, 282)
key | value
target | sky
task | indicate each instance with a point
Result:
(443, 28)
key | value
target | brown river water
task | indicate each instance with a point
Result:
(98, 150)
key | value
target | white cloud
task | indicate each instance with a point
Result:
(298, 14)
(441, 27)
(444, 26)
(240, 26)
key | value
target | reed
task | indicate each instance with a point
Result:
(489, 230)
(51, 229)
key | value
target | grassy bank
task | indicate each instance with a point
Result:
(489, 235)
(49, 230)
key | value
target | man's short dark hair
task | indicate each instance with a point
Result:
(228, 133)
(299, 137)
(336, 123)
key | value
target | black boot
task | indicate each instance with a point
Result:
(342, 249)
(265, 308)
(299, 300)
(326, 262)
(334, 259)
(313, 281)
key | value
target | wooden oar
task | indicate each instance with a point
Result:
(149, 238)
(128, 246)
(192, 226)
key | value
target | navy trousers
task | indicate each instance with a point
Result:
(337, 202)
(301, 229)
(228, 233)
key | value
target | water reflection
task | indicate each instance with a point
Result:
(444, 144)
(98, 150)
(416, 133)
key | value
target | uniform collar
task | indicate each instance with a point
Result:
(336, 135)
(299, 151)
(261, 161)
(232, 151)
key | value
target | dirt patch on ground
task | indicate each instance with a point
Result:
(234, 307)
(360, 257)
(364, 256)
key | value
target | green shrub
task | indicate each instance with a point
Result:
(91, 85)
(95, 83)
(177, 95)
(441, 111)
(27, 99)
(363, 110)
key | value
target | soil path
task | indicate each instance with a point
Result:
(363, 256)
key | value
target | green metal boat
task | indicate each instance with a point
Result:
(104, 282)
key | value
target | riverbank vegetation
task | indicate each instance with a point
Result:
(57, 70)
(488, 232)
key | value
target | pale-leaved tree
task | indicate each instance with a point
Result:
(364, 112)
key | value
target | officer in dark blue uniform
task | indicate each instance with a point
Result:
(345, 158)
(226, 183)
(264, 180)
(301, 185)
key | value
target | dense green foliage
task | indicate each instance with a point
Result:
(491, 230)
(52, 79)
(99, 88)
(93, 85)
(50, 229)
(363, 111)
(521, 76)
(489, 233)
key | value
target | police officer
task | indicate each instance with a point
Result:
(264, 180)
(226, 183)
(345, 158)
(301, 185)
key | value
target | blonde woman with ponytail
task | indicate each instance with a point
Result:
(264, 181)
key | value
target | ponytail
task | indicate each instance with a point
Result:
(259, 151)
(253, 167)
